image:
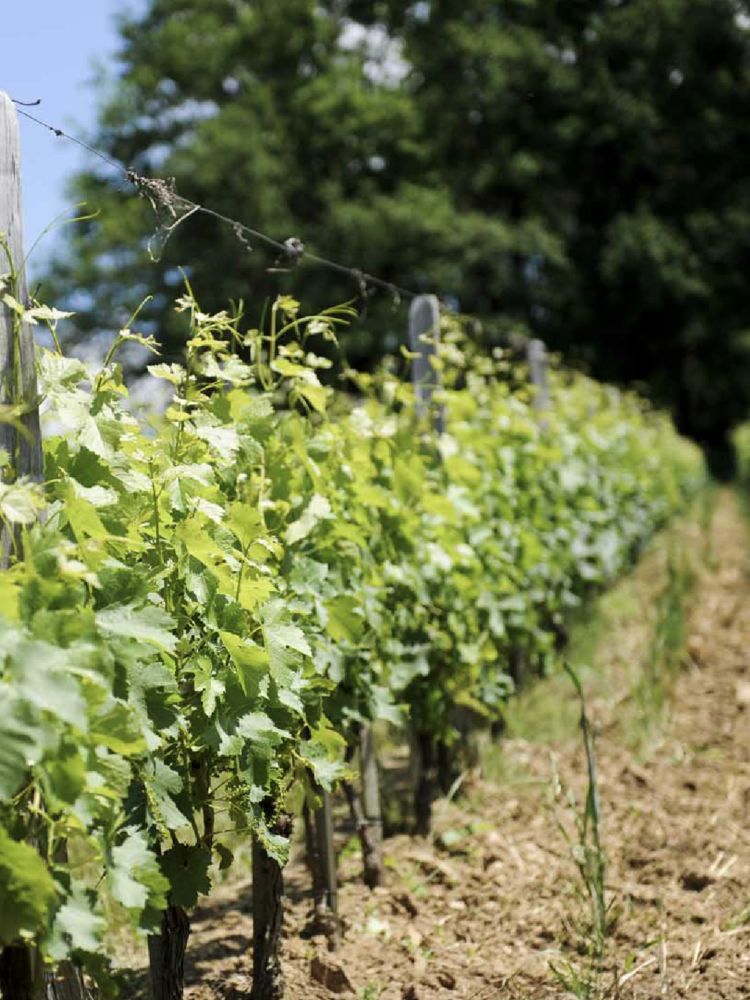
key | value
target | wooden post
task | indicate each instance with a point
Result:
(321, 860)
(372, 819)
(18, 391)
(424, 336)
(324, 831)
(18, 385)
(424, 321)
(364, 807)
(536, 356)
(10, 223)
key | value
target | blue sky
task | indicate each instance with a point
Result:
(50, 50)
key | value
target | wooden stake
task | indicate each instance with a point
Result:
(18, 390)
(324, 831)
(424, 322)
(424, 336)
(18, 384)
(372, 832)
(321, 861)
(536, 356)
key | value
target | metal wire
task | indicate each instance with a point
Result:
(167, 204)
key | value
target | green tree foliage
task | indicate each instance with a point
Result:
(259, 113)
(610, 133)
(575, 169)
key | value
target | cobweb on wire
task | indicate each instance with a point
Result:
(169, 208)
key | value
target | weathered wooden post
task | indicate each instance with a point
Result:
(18, 385)
(536, 356)
(324, 831)
(372, 820)
(21, 974)
(424, 335)
(321, 860)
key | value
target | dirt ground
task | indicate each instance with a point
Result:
(484, 908)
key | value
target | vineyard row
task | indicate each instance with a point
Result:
(203, 612)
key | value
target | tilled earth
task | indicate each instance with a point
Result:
(487, 907)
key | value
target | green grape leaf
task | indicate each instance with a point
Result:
(117, 729)
(326, 771)
(66, 772)
(280, 635)
(173, 373)
(45, 683)
(246, 522)
(316, 395)
(290, 698)
(134, 876)
(260, 731)
(227, 746)
(250, 660)
(252, 592)
(198, 472)
(98, 496)
(209, 686)
(83, 517)
(345, 622)
(9, 594)
(16, 749)
(308, 576)
(163, 782)
(149, 624)
(186, 868)
(317, 510)
(226, 858)
(27, 891)
(78, 924)
(382, 706)
(223, 440)
(108, 771)
(56, 371)
(20, 502)
(152, 688)
(372, 496)
(193, 535)
(287, 368)
(22, 741)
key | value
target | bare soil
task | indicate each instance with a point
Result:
(485, 907)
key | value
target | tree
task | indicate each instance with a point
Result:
(574, 169)
(260, 113)
(657, 249)
(610, 132)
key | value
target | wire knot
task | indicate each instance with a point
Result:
(293, 251)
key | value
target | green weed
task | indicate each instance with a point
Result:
(593, 916)
(665, 656)
(371, 991)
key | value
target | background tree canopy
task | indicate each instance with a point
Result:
(575, 169)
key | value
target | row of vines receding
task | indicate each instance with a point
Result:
(204, 610)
